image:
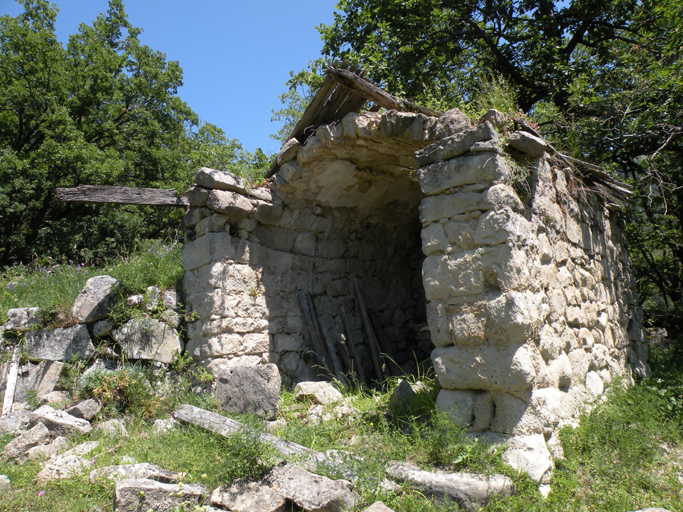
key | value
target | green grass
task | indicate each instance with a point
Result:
(54, 286)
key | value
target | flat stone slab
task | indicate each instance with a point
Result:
(48, 451)
(144, 495)
(470, 491)
(527, 143)
(63, 467)
(95, 299)
(312, 492)
(148, 339)
(59, 422)
(135, 471)
(19, 447)
(323, 393)
(455, 145)
(219, 180)
(86, 410)
(243, 496)
(254, 389)
(61, 344)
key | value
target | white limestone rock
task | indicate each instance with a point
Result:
(19, 447)
(458, 404)
(148, 339)
(529, 454)
(144, 494)
(61, 344)
(20, 319)
(133, 471)
(322, 393)
(243, 496)
(59, 422)
(95, 300)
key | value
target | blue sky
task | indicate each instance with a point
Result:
(236, 55)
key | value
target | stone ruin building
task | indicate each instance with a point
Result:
(471, 243)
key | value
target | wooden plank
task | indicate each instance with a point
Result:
(226, 426)
(350, 343)
(376, 94)
(318, 347)
(314, 106)
(392, 367)
(336, 365)
(11, 383)
(372, 341)
(121, 195)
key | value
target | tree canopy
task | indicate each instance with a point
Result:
(102, 110)
(604, 80)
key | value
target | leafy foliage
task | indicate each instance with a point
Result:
(103, 110)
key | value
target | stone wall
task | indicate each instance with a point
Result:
(521, 274)
(345, 204)
(529, 288)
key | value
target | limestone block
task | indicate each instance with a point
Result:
(19, 319)
(515, 317)
(210, 224)
(459, 233)
(560, 370)
(527, 143)
(243, 496)
(114, 428)
(213, 179)
(229, 344)
(322, 393)
(94, 300)
(206, 249)
(446, 206)
(550, 213)
(496, 118)
(47, 451)
(557, 304)
(500, 226)
(468, 323)
(586, 338)
(312, 492)
(490, 146)
(471, 492)
(501, 196)
(289, 342)
(579, 361)
(594, 383)
(63, 467)
(470, 169)
(545, 250)
(451, 275)
(348, 123)
(458, 404)
(86, 409)
(143, 495)
(331, 248)
(549, 343)
(439, 323)
(19, 447)
(378, 506)
(254, 389)
(288, 151)
(232, 204)
(483, 408)
(59, 422)
(194, 215)
(197, 196)
(61, 344)
(529, 454)
(148, 339)
(490, 367)
(451, 122)
(514, 416)
(130, 471)
(454, 145)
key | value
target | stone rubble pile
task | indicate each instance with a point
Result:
(95, 338)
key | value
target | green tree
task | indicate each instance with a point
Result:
(603, 79)
(101, 110)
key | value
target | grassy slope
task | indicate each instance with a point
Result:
(627, 454)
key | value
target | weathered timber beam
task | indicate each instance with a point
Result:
(377, 95)
(121, 195)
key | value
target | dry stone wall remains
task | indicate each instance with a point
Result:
(522, 277)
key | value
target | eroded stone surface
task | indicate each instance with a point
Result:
(135, 471)
(470, 491)
(310, 491)
(95, 299)
(61, 344)
(144, 495)
(323, 393)
(59, 422)
(254, 389)
(19, 447)
(148, 339)
(243, 496)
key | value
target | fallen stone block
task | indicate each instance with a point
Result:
(95, 299)
(529, 454)
(310, 491)
(378, 506)
(243, 496)
(148, 339)
(20, 319)
(59, 422)
(135, 471)
(86, 410)
(322, 393)
(114, 428)
(527, 143)
(254, 389)
(48, 451)
(145, 495)
(61, 344)
(470, 491)
(62, 468)
(19, 447)
(55, 397)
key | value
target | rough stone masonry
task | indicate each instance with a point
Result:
(456, 229)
